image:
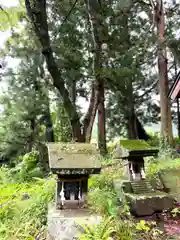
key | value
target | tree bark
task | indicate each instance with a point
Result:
(102, 123)
(91, 114)
(32, 135)
(166, 121)
(94, 10)
(49, 127)
(131, 126)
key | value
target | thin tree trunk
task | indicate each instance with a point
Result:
(72, 91)
(49, 127)
(31, 138)
(166, 121)
(91, 114)
(102, 123)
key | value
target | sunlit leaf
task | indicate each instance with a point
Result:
(10, 17)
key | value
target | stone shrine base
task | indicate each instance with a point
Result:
(65, 224)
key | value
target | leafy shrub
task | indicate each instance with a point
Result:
(111, 146)
(108, 228)
(26, 168)
(102, 230)
(104, 180)
(23, 208)
(102, 197)
(103, 202)
(155, 139)
(159, 164)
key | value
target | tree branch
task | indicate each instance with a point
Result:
(149, 90)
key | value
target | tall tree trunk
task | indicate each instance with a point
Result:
(177, 101)
(49, 126)
(96, 19)
(72, 91)
(36, 10)
(91, 113)
(166, 121)
(31, 137)
(141, 133)
(131, 125)
(102, 123)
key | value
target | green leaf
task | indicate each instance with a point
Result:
(10, 17)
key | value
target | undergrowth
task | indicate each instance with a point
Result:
(24, 198)
(153, 166)
(23, 209)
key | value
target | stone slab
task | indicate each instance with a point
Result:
(148, 204)
(66, 224)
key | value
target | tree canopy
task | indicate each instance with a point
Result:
(100, 52)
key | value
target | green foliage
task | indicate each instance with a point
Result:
(103, 230)
(10, 17)
(61, 123)
(103, 202)
(102, 197)
(175, 212)
(142, 226)
(155, 139)
(107, 229)
(23, 207)
(149, 230)
(156, 165)
(27, 168)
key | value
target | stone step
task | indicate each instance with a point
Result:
(142, 186)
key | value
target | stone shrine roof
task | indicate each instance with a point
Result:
(75, 157)
(134, 148)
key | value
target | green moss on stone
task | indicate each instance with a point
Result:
(135, 145)
(73, 148)
(155, 194)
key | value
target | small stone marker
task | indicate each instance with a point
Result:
(73, 163)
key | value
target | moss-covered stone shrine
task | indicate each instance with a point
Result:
(73, 163)
(142, 197)
(132, 152)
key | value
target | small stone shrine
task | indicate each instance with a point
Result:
(73, 163)
(143, 199)
(132, 152)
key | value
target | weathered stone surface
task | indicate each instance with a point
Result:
(132, 148)
(145, 200)
(141, 187)
(148, 204)
(66, 224)
(73, 156)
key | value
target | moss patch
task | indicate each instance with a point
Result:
(77, 148)
(135, 145)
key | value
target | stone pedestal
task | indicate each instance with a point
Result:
(65, 224)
